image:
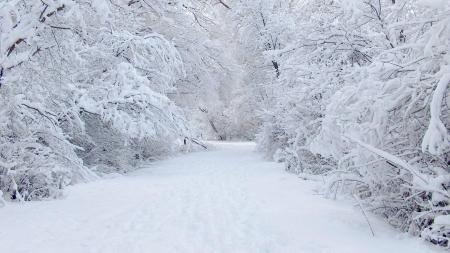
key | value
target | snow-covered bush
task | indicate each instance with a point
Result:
(387, 129)
(37, 159)
(84, 85)
(362, 97)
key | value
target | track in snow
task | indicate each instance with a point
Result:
(228, 200)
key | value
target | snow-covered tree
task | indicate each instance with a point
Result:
(362, 98)
(84, 85)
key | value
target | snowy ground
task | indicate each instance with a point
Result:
(227, 200)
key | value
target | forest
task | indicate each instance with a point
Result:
(352, 93)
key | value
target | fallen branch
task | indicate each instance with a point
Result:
(195, 141)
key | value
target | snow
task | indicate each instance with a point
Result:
(2, 201)
(102, 8)
(437, 137)
(391, 158)
(225, 200)
(433, 3)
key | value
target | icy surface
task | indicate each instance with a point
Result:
(226, 200)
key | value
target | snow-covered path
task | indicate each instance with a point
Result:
(226, 200)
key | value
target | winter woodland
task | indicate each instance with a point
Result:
(352, 92)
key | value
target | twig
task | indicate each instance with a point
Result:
(365, 215)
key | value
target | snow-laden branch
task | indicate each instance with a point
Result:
(437, 136)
